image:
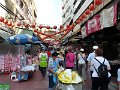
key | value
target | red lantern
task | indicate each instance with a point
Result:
(40, 26)
(92, 7)
(68, 26)
(9, 23)
(61, 26)
(33, 25)
(1, 19)
(78, 21)
(97, 2)
(26, 25)
(83, 15)
(87, 12)
(48, 27)
(18, 24)
(5, 21)
(35, 30)
(54, 27)
(80, 18)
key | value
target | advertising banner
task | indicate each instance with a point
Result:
(93, 25)
(108, 17)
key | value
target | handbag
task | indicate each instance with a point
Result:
(81, 61)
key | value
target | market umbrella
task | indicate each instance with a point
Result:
(22, 39)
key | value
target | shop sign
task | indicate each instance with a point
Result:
(93, 25)
(83, 32)
(108, 17)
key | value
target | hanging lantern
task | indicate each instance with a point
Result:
(80, 18)
(54, 27)
(87, 12)
(92, 7)
(97, 2)
(48, 27)
(40, 26)
(35, 30)
(33, 25)
(68, 26)
(1, 19)
(26, 25)
(18, 24)
(61, 26)
(83, 15)
(78, 21)
(5, 21)
(9, 23)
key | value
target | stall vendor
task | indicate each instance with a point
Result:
(52, 68)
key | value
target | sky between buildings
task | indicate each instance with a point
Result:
(49, 12)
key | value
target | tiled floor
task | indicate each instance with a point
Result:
(37, 83)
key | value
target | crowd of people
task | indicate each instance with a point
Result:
(94, 63)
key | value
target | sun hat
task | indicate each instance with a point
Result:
(95, 47)
(81, 49)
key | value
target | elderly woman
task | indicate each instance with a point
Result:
(97, 80)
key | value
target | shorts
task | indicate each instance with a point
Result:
(118, 75)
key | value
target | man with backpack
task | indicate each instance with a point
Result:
(100, 76)
(43, 58)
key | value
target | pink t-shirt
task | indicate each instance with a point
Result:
(70, 58)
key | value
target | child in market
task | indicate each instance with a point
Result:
(53, 66)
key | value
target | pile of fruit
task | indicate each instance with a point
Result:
(68, 76)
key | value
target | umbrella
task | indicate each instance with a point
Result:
(22, 39)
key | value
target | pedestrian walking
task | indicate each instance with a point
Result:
(43, 58)
(101, 76)
(53, 66)
(82, 64)
(70, 59)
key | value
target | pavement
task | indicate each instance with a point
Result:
(37, 83)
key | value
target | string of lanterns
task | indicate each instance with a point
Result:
(68, 27)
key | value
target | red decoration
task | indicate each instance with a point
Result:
(48, 27)
(87, 12)
(83, 15)
(92, 7)
(26, 25)
(54, 27)
(61, 26)
(33, 25)
(5, 21)
(18, 24)
(78, 21)
(35, 30)
(40, 26)
(80, 18)
(97, 2)
(1, 19)
(9, 23)
(68, 26)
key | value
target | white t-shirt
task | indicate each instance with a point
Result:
(96, 64)
(118, 75)
(90, 58)
(43, 54)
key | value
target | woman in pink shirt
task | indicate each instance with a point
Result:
(70, 59)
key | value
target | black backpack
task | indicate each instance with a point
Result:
(102, 70)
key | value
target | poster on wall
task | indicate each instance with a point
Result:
(108, 17)
(93, 25)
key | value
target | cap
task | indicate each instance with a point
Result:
(95, 47)
(82, 49)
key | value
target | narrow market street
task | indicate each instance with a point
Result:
(37, 83)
